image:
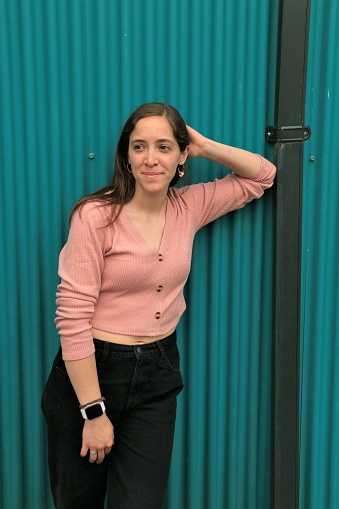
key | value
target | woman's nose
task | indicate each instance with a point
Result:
(150, 158)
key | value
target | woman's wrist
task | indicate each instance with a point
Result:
(84, 378)
(98, 400)
(93, 410)
(215, 151)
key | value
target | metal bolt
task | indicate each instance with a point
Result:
(91, 155)
(311, 159)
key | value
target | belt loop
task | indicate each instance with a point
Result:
(162, 351)
(105, 351)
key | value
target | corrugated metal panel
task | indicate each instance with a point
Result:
(319, 455)
(71, 73)
(43, 136)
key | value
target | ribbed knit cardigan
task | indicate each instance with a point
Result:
(113, 280)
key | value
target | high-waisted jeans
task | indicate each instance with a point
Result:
(140, 384)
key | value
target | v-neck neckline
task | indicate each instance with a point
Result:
(139, 237)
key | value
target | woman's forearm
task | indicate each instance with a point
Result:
(84, 378)
(98, 433)
(243, 163)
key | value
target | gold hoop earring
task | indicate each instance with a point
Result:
(181, 173)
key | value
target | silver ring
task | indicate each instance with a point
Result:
(94, 452)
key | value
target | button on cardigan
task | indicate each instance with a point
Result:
(113, 280)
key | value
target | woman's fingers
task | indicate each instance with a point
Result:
(98, 456)
(97, 438)
(93, 456)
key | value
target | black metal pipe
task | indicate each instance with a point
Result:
(289, 111)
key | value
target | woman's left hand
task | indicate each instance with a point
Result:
(197, 143)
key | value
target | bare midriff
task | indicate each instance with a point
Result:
(122, 339)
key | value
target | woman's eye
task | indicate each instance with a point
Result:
(138, 147)
(164, 148)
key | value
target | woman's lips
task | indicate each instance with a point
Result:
(151, 174)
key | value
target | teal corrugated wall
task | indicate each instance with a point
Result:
(71, 71)
(319, 424)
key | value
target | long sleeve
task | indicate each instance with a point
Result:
(81, 264)
(210, 200)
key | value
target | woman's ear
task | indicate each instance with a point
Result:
(184, 155)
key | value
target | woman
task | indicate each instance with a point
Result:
(120, 299)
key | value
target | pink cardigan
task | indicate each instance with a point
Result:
(113, 280)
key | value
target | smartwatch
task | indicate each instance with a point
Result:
(93, 410)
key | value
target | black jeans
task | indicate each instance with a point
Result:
(140, 384)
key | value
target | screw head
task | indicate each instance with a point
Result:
(91, 155)
(311, 159)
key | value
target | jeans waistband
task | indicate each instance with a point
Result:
(117, 347)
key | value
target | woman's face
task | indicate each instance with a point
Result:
(154, 155)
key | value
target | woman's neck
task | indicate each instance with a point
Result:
(150, 205)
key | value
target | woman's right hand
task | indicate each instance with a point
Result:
(97, 435)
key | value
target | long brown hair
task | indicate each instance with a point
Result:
(122, 187)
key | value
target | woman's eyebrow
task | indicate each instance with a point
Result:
(165, 140)
(161, 140)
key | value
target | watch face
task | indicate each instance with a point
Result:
(94, 411)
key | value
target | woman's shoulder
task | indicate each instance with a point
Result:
(94, 211)
(190, 191)
(190, 197)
